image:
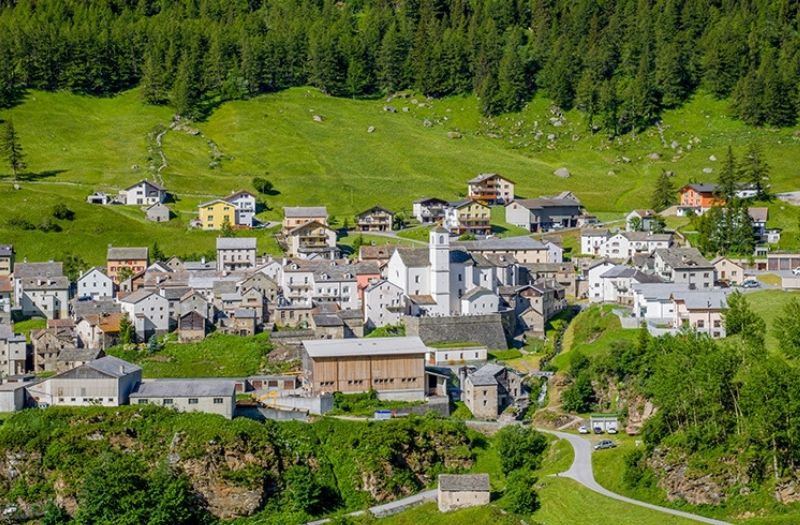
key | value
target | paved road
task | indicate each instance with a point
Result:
(581, 471)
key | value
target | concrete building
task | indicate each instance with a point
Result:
(13, 352)
(394, 367)
(684, 265)
(458, 491)
(235, 253)
(653, 301)
(488, 391)
(213, 396)
(14, 396)
(134, 259)
(37, 270)
(544, 214)
(698, 198)
(490, 188)
(107, 381)
(143, 193)
(46, 297)
(148, 312)
(593, 240)
(616, 284)
(95, 284)
(593, 273)
(213, 215)
(384, 304)
(701, 310)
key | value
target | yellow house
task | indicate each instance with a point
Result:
(213, 214)
(468, 216)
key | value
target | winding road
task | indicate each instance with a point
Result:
(581, 471)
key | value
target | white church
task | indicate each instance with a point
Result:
(439, 281)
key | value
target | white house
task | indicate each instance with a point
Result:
(593, 274)
(593, 239)
(235, 253)
(188, 395)
(95, 284)
(44, 297)
(383, 304)
(13, 352)
(617, 284)
(684, 265)
(653, 301)
(479, 301)
(245, 204)
(644, 218)
(148, 312)
(143, 192)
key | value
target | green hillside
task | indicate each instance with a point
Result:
(77, 144)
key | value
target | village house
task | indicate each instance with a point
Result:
(213, 215)
(298, 216)
(235, 253)
(759, 218)
(593, 240)
(684, 265)
(6, 290)
(13, 352)
(192, 326)
(375, 219)
(134, 259)
(36, 270)
(148, 312)
(6, 260)
(312, 240)
(592, 275)
(524, 249)
(244, 203)
(700, 310)
(698, 199)
(14, 395)
(468, 217)
(213, 396)
(640, 220)
(652, 302)
(46, 297)
(728, 270)
(107, 381)
(48, 342)
(544, 214)
(535, 304)
(72, 357)
(429, 210)
(378, 254)
(99, 331)
(95, 284)
(458, 491)
(384, 304)
(563, 273)
(143, 193)
(616, 284)
(157, 212)
(394, 367)
(488, 391)
(490, 188)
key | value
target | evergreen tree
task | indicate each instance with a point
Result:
(185, 93)
(126, 332)
(664, 192)
(728, 177)
(609, 107)
(156, 254)
(587, 96)
(11, 150)
(787, 329)
(512, 85)
(754, 171)
(391, 60)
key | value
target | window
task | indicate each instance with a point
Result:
(166, 402)
(218, 400)
(192, 400)
(142, 402)
(701, 324)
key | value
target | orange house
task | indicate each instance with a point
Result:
(701, 196)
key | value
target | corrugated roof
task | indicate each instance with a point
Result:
(365, 346)
(185, 388)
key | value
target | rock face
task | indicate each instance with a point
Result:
(681, 484)
(562, 172)
(788, 491)
(453, 135)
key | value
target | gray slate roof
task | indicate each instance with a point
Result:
(703, 187)
(46, 283)
(137, 296)
(113, 366)
(546, 202)
(486, 375)
(77, 354)
(6, 250)
(302, 211)
(366, 346)
(38, 269)
(680, 258)
(236, 243)
(127, 254)
(702, 299)
(509, 243)
(185, 388)
(464, 482)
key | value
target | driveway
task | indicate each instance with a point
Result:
(581, 471)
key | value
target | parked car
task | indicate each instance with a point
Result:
(796, 271)
(750, 283)
(606, 443)
(598, 429)
(583, 429)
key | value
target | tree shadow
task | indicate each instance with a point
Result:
(34, 176)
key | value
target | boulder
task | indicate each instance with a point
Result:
(390, 109)
(371, 129)
(611, 173)
(551, 137)
(453, 135)
(674, 144)
(654, 156)
(427, 123)
(317, 118)
(562, 172)
(405, 109)
(713, 158)
(708, 170)
(625, 160)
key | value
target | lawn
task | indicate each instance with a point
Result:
(25, 327)
(77, 144)
(769, 305)
(216, 356)
(593, 331)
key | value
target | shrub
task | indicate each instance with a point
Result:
(60, 211)
(521, 492)
(579, 396)
(20, 223)
(49, 225)
(520, 448)
(262, 185)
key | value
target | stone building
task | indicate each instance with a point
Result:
(488, 391)
(457, 491)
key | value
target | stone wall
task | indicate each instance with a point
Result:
(488, 330)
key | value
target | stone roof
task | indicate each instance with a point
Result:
(6, 250)
(301, 212)
(375, 252)
(594, 232)
(486, 375)
(414, 257)
(422, 300)
(475, 292)
(509, 243)
(365, 347)
(81, 309)
(236, 243)
(464, 482)
(45, 283)
(127, 254)
(680, 258)
(38, 269)
(137, 296)
(185, 388)
(77, 354)
(244, 313)
(327, 320)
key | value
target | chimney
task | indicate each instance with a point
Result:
(121, 369)
(203, 260)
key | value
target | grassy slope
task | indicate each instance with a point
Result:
(217, 355)
(769, 305)
(79, 144)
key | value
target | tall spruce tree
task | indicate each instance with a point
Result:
(11, 149)
(754, 171)
(728, 177)
(512, 85)
(664, 192)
